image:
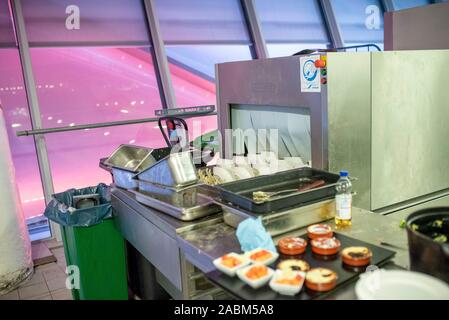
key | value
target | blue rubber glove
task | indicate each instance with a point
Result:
(252, 235)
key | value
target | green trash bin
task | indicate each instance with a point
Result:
(91, 243)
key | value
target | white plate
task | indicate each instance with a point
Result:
(255, 284)
(224, 174)
(400, 285)
(262, 169)
(274, 256)
(241, 161)
(268, 156)
(243, 172)
(285, 289)
(281, 165)
(225, 163)
(295, 162)
(231, 271)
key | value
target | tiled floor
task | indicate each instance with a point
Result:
(47, 283)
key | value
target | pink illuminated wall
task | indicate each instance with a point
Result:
(87, 85)
(102, 72)
(15, 106)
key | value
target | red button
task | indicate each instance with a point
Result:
(323, 80)
(320, 63)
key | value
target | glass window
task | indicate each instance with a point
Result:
(290, 26)
(7, 38)
(15, 106)
(405, 4)
(99, 71)
(70, 170)
(193, 70)
(201, 21)
(90, 85)
(361, 22)
(83, 22)
(197, 35)
(201, 125)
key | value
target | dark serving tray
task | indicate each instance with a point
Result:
(239, 193)
(345, 274)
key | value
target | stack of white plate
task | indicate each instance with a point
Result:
(241, 167)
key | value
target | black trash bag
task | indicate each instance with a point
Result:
(61, 208)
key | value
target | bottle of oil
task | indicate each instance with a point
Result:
(343, 201)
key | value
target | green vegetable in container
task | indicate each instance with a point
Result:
(437, 224)
(440, 238)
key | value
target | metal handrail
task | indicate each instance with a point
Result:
(310, 51)
(369, 45)
(106, 124)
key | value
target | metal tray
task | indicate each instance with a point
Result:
(186, 204)
(175, 170)
(345, 274)
(239, 193)
(284, 221)
(129, 160)
(180, 197)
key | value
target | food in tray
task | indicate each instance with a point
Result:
(256, 272)
(356, 256)
(319, 231)
(287, 282)
(256, 275)
(294, 265)
(207, 176)
(292, 245)
(262, 256)
(230, 263)
(325, 246)
(260, 196)
(321, 279)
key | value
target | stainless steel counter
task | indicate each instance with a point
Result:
(154, 235)
(182, 251)
(205, 244)
(166, 223)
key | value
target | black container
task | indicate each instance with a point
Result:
(427, 255)
(239, 193)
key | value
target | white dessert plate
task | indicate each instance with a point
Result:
(257, 283)
(400, 285)
(273, 258)
(231, 271)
